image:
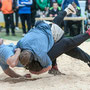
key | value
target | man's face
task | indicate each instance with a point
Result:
(1, 41)
(55, 5)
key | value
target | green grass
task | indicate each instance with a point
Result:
(17, 37)
(10, 37)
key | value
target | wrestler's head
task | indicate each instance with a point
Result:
(1, 41)
(26, 57)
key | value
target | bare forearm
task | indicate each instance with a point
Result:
(13, 60)
(11, 73)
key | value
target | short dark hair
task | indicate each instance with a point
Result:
(26, 57)
(55, 2)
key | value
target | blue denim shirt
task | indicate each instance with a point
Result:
(38, 40)
(7, 51)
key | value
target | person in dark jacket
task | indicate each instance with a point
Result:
(15, 9)
(87, 3)
(0, 5)
(33, 13)
(64, 5)
(54, 10)
(76, 25)
(67, 2)
(87, 13)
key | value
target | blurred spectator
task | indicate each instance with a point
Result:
(89, 14)
(25, 14)
(15, 9)
(54, 10)
(67, 2)
(33, 13)
(88, 17)
(87, 3)
(43, 6)
(0, 10)
(8, 15)
(0, 5)
(58, 1)
(74, 26)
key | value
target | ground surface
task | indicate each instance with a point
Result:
(14, 38)
(77, 76)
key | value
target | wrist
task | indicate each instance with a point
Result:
(27, 76)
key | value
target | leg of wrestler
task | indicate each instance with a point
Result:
(79, 54)
(66, 44)
(58, 20)
(54, 69)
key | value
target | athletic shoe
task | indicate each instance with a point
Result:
(16, 28)
(55, 71)
(70, 10)
(88, 31)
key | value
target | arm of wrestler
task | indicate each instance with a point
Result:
(9, 59)
(9, 71)
(45, 62)
(5, 66)
(13, 60)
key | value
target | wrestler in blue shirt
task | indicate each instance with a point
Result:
(9, 58)
(39, 41)
(6, 51)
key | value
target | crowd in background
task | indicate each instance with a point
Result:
(87, 13)
(28, 10)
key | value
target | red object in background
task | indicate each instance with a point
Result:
(0, 5)
(88, 31)
(89, 1)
